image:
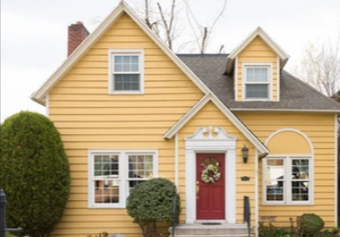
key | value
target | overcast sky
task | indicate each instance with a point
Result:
(34, 34)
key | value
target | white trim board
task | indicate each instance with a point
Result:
(261, 33)
(238, 124)
(199, 143)
(336, 165)
(81, 50)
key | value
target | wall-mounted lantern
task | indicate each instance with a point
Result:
(245, 154)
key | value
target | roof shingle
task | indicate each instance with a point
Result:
(294, 93)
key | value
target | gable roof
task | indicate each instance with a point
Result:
(265, 37)
(295, 95)
(39, 95)
(200, 104)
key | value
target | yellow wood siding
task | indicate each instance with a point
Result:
(88, 118)
(211, 115)
(257, 51)
(319, 128)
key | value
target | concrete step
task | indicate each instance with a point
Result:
(200, 230)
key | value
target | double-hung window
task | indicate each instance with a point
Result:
(257, 80)
(126, 72)
(114, 173)
(287, 180)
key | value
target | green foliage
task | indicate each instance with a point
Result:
(152, 202)
(310, 224)
(272, 231)
(34, 173)
(307, 225)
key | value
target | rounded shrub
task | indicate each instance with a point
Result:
(310, 224)
(152, 202)
(34, 173)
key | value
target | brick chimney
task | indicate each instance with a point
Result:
(76, 34)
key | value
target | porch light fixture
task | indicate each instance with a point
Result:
(245, 154)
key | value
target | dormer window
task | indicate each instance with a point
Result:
(257, 81)
(126, 72)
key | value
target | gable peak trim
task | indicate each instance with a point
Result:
(238, 124)
(80, 51)
(267, 39)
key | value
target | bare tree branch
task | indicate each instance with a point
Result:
(205, 35)
(202, 41)
(147, 19)
(320, 67)
(221, 48)
(168, 27)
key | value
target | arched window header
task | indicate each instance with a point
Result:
(289, 141)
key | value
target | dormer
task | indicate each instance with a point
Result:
(256, 65)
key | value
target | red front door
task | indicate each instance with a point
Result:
(210, 195)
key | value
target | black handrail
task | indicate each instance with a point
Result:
(174, 221)
(246, 213)
(3, 228)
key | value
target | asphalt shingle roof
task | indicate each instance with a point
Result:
(294, 94)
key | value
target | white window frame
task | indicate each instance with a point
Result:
(126, 52)
(123, 174)
(287, 197)
(270, 81)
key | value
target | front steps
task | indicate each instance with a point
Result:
(200, 230)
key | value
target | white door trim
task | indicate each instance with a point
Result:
(217, 141)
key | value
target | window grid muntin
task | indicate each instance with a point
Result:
(288, 194)
(267, 83)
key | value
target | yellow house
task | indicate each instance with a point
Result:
(129, 109)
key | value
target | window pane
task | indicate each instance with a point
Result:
(140, 167)
(300, 175)
(118, 59)
(257, 74)
(300, 190)
(274, 179)
(257, 91)
(126, 63)
(134, 59)
(106, 166)
(300, 169)
(275, 192)
(106, 191)
(128, 82)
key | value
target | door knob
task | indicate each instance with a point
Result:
(197, 189)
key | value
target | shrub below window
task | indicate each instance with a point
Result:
(310, 224)
(152, 202)
(307, 225)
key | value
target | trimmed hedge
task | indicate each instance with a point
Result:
(35, 173)
(152, 202)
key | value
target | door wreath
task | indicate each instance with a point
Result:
(210, 179)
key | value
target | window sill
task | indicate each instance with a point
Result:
(288, 204)
(268, 100)
(126, 92)
(106, 206)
